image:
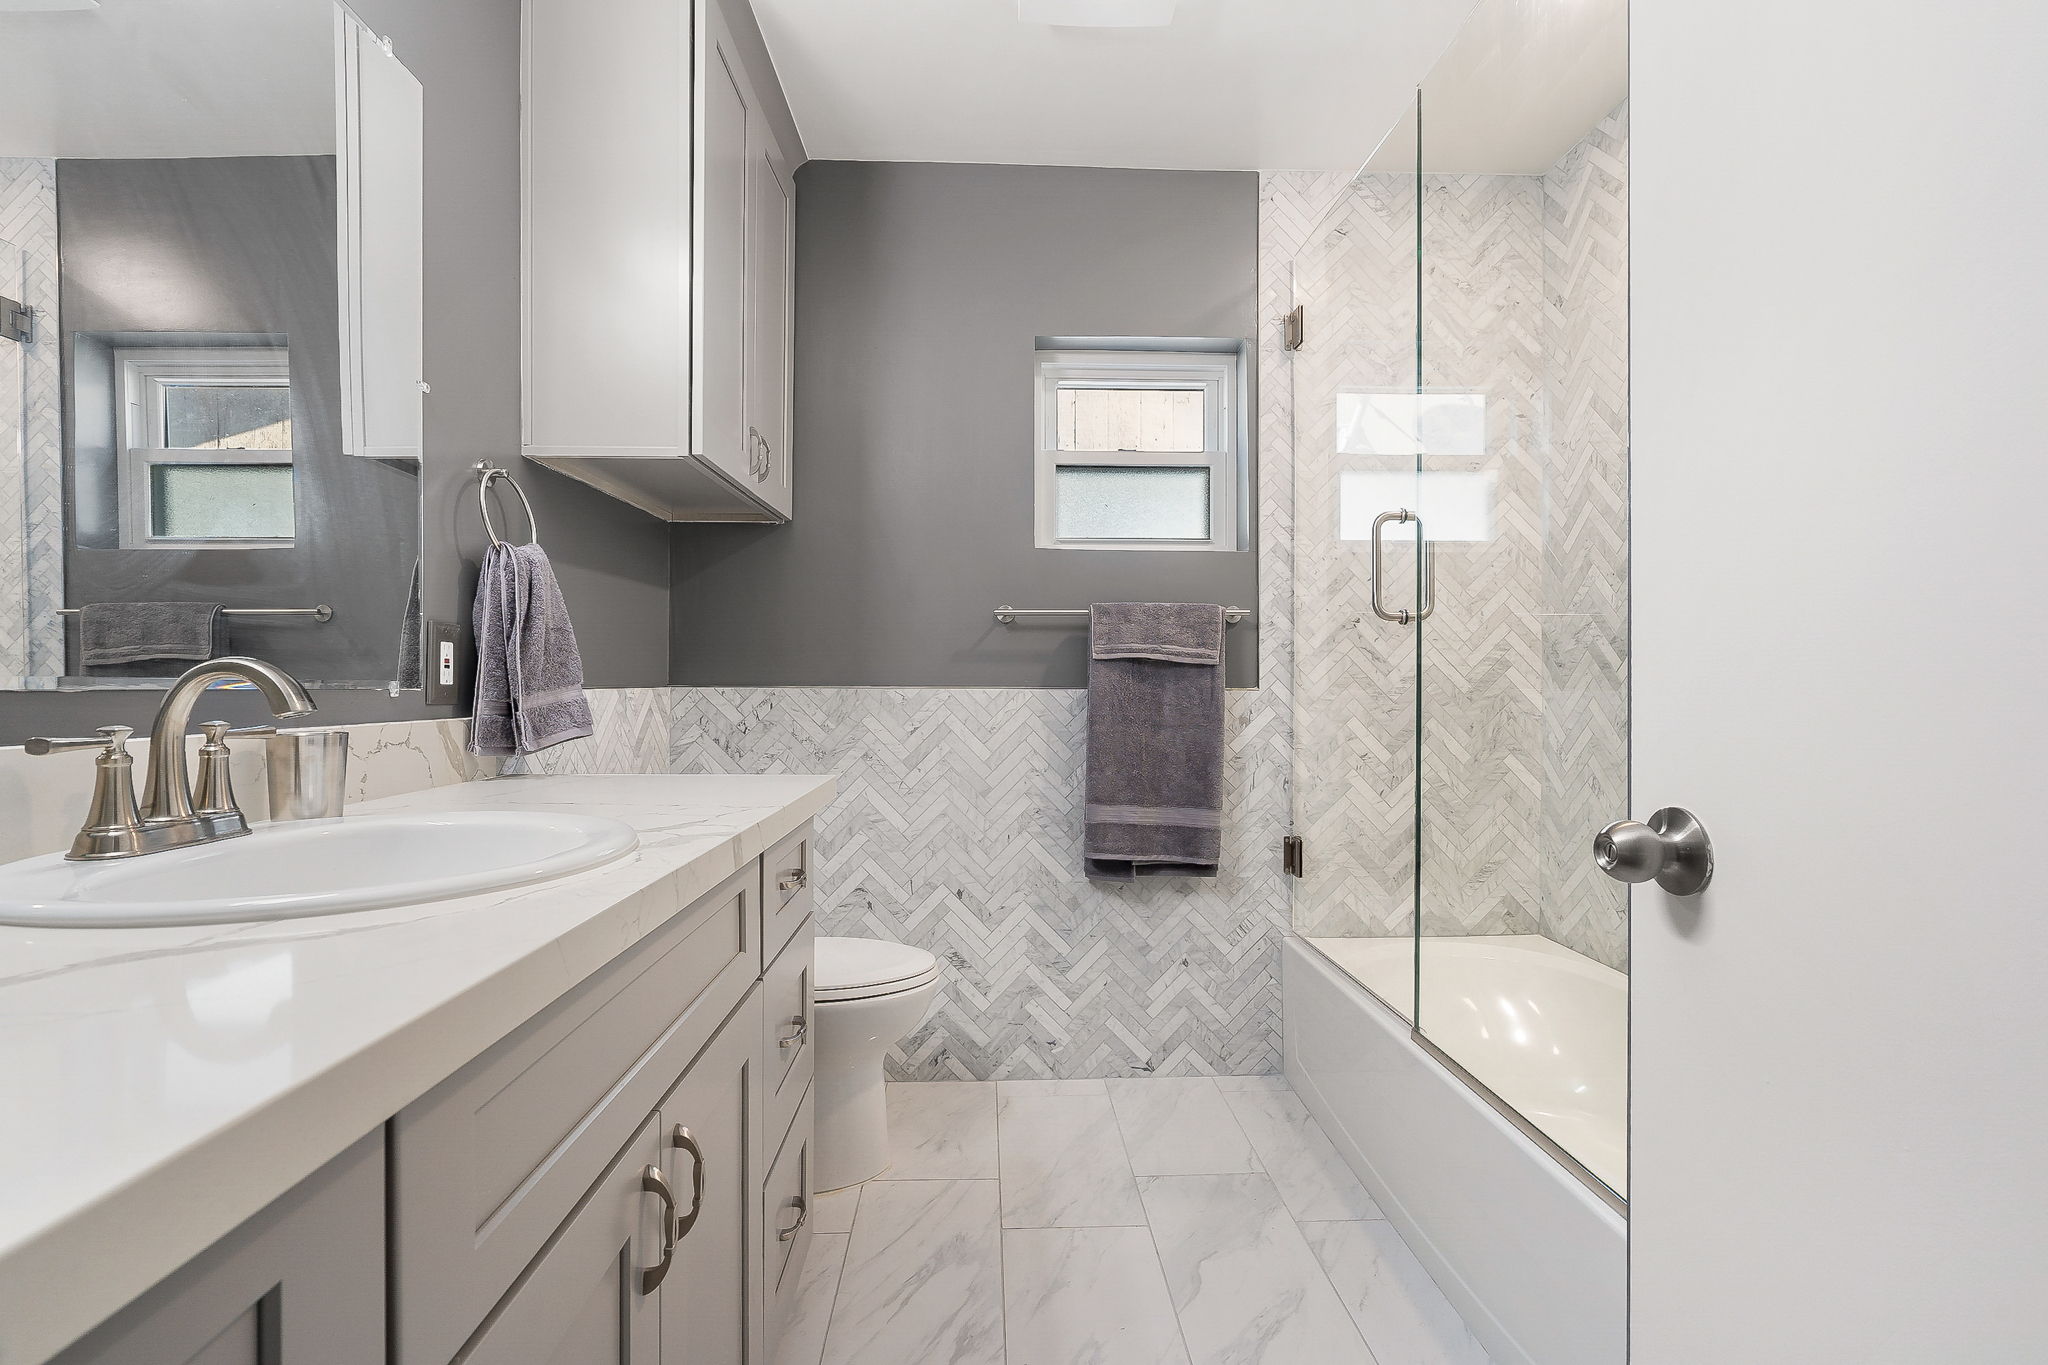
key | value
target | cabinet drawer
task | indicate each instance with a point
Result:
(785, 891)
(489, 1163)
(787, 1053)
(786, 1226)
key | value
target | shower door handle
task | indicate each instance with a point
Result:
(1427, 588)
(1673, 850)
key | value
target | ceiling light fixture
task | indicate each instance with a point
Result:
(1097, 13)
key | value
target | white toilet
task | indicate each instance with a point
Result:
(867, 994)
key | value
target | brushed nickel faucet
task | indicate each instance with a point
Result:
(116, 827)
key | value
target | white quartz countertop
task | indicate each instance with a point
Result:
(158, 1086)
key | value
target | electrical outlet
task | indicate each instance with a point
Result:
(443, 645)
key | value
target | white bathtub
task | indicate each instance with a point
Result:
(1532, 1257)
(1541, 1026)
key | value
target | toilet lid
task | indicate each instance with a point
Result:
(850, 968)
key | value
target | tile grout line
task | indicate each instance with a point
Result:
(1152, 1236)
(1002, 1252)
(1342, 1302)
(845, 1260)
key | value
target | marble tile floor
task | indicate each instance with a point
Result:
(1184, 1221)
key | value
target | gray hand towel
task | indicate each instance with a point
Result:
(1155, 741)
(112, 633)
(529, 674)
(411, 667)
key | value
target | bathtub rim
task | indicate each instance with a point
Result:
(1599, 1188)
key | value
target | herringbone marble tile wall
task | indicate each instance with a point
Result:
(1585, 589)
(31, 449)
(631, 734)
(958, 828)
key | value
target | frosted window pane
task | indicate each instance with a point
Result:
(1132, 419)
(1114, 502)
(1454, 504)
(221, 501)
(227, 417)
(1411, 423)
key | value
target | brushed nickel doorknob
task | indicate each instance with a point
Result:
(1672, 849)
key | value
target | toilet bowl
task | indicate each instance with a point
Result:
(867, 995)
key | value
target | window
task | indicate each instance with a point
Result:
(1138, 450)
(206, 448)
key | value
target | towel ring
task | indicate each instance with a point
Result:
(487, 473)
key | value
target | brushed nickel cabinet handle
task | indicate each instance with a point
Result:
(653, 1182)
(803, 1214)
(796, 879)
(681, 1138)
(795, 1037)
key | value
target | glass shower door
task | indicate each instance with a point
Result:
(1355, 678)
(1522, 955)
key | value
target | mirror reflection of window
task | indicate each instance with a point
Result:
(207, 457)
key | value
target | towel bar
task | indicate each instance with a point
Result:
(1008, 615)
(323, 612)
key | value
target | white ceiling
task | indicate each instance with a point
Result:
(150, 78)
(1228, 85)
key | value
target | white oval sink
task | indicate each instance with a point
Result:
(319, 867)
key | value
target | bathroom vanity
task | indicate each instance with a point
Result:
(565, 1120)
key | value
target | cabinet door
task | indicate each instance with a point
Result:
(708, 1305)
(718, 355)
(301, 1283)
(770, 210)
(587, 1299)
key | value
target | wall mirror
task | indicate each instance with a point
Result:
(210, 342)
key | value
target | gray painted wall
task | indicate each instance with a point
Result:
(240, 245)
(613, 561)
(919, 292)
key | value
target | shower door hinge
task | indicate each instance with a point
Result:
(17, 321)
(1290, 855)
(1290, 330)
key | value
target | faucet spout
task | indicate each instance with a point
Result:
(167, 799)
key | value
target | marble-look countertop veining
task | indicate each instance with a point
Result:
(161, 1085)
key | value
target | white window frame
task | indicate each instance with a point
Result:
(140, 376)
(1216, 373)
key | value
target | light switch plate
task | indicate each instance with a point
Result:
(443, 641)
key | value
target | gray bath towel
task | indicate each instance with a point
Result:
(1155, 741)
(112, 633)
(529, 675)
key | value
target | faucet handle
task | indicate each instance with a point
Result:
(214, 792)
(111, 738)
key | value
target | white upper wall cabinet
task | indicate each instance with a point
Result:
(657, 262)
(381, 206)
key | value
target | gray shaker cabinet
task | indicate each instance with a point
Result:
(709, 1304)
(522, 1211)
(590, 1298)
(300, 1283)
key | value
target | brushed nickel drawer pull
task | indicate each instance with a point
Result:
(653, 1182)
(684, 1222)
(796, 879)
(795, 1038)
(803, 1214)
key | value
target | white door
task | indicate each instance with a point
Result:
(1839, 246)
